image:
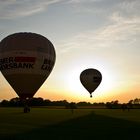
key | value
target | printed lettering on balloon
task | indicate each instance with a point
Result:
(17, 62)
(47, 65)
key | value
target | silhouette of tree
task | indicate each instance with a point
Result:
(36, 101)
(113, 104)
(17, 102)
(4, 103)
(136, 101)
(109, 105)
(71, 105)
(84, 104)
(130, 102)
(60, 103)
(47, 102)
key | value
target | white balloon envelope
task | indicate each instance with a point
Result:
(26, 60)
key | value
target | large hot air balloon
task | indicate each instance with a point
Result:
(90, 79)
(26, 60)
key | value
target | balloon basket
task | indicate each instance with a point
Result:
(26, 108)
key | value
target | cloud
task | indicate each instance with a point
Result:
(85, 6)
(82, 1)
(129, 7)
(12, 8)
(105, 6)
(121, 31)
(122, 28)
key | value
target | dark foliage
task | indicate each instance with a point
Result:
(17, 102)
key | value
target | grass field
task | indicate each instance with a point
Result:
(59, 124)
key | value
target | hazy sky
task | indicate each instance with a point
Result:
(100, 34)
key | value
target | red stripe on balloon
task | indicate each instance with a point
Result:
(25, 59)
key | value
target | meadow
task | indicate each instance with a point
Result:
(45, 123)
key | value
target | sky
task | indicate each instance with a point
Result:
(99, 34)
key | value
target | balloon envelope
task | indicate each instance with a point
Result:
(26, 60)
(90, 79)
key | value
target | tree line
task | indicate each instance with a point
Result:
(17, 102)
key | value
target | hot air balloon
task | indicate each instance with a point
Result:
(26, 60)
(90, 79)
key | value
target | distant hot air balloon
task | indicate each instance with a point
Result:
(26, 60)
(90, 79)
